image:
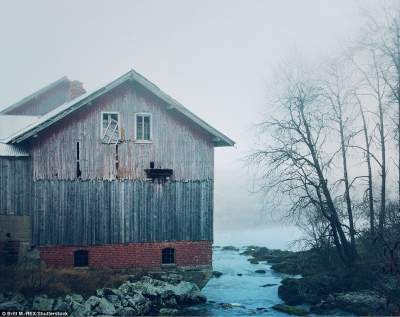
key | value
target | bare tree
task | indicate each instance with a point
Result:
(295, 163)
(383, 37)
(368, 155)
(338, 92)
(377, 89)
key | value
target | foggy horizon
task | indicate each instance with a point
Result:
(216, 58)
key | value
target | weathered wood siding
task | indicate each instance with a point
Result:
(102, 212)
(45, 102)
(177, 144)
(15, 186)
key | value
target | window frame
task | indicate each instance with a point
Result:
(144, 114)
(102, 128)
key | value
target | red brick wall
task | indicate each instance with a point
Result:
(138, 255)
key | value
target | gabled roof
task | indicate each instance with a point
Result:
(34, 95)
(60, 112)
(13, 124)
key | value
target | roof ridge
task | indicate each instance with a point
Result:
(35, 94)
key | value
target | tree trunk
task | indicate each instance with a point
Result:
(341, 242)
(370, 189)
(382, 213)
(346, 184)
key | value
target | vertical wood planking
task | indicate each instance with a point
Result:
(101, 212)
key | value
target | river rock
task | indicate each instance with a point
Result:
(229, 248)
(189, 294)
(168, 312)
(291, 310)
(260, 271)
(74, 298)
(42, 303)
(217, 274)
(361, 302)
(309, 289)
(226, 305)
(105, 307)
(12, 306)
(61, 305)
(13, 302)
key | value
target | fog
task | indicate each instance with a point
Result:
(215, 57)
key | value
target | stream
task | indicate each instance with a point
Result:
(243, 295)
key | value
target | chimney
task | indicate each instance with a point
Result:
(76, 89)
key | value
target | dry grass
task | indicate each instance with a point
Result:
(59, 282)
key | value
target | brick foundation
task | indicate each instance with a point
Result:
(132, 255)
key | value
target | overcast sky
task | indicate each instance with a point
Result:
(216, 57)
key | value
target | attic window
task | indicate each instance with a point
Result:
(143, 131)
(110, 127)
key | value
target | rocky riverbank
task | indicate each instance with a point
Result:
(147, 296)
(328, 288)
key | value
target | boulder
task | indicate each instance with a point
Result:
(309, 289)
(74, 298)
(217, 274)
(188, 294)
(168, 312)
(260, 271)
(226, 305)
(91, 303)
(268, 285)
(61, 305)
(13, 302)
(291, 310)
(229, 248)
(361, 302)
(105, 292)
(12, 306)
(42, 303)
(105, 307)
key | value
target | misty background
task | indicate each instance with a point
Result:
(217, 58)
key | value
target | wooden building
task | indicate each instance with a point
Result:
(118, 177)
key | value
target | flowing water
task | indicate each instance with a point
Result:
(243, 293)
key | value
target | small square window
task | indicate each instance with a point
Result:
(168, 256)
(110, 127)
(143, 127)
(81, 258)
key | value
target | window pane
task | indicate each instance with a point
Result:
(114, 116)
(139, 127)
(146, 128)
(105, 120)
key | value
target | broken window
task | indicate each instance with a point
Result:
(143, 127)
(81, 258)
(110, 130)
(168, 256)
